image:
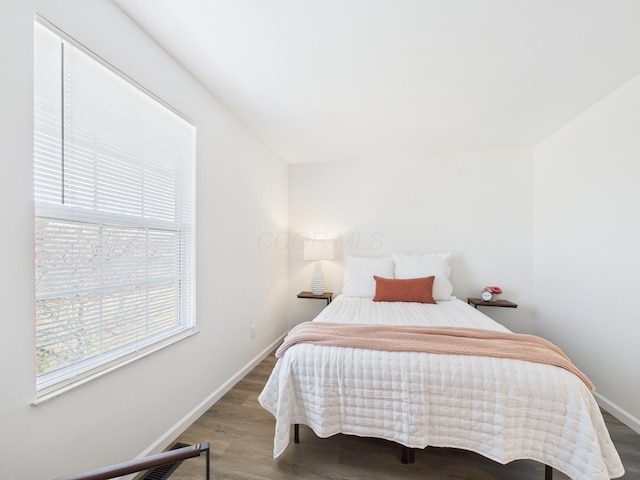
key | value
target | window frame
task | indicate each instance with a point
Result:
(184, 227)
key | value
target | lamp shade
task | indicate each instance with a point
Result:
(318, 249)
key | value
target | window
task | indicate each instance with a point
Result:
(114, 188)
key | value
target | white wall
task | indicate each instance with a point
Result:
(242, 192)
(478, 205)
(587, 246)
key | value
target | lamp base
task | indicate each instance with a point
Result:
(317, 280)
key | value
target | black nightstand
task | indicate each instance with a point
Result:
(328, 296)
(478, 302)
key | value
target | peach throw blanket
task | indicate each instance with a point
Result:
(450, 340)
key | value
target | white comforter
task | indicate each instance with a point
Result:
(503, 409)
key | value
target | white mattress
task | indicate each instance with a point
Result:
(501, 408)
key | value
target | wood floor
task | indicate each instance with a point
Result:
(241, 432)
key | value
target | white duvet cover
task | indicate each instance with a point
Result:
(503, 409)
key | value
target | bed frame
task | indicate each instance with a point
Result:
(408, 455)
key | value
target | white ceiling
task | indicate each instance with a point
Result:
(330, 80)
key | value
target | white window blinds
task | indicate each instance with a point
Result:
(114, 181)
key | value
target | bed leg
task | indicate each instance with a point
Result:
(408, 455)
(296, 433)
(548, 473)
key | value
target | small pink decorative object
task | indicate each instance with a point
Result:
(494, 289)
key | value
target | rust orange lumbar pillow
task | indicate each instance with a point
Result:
(404, 289)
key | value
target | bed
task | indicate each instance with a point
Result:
(505, 409)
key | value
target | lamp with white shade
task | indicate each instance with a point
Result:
(318, 250)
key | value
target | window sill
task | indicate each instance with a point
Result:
(53, 391)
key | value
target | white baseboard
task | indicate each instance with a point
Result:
(625, 417)
(170, 435)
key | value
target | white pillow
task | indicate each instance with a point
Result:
(358, 276)
(425, 265)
